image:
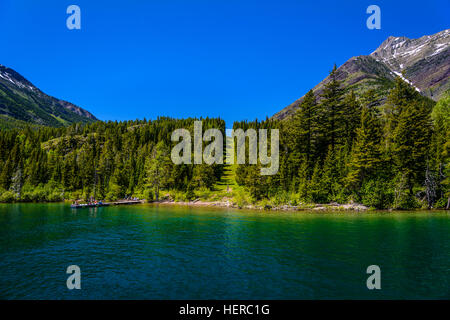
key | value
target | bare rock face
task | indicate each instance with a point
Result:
(400, 53)
(424, 63)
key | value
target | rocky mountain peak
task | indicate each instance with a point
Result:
(399, 53)
(15, 78)
(424, 63)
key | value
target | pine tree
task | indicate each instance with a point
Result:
(445, 169)
(257, 183)
(411, 143)
(304, 182)
(399, 98)
(316, 188)
(304, 124)
(157, 168)
(331, 174)
(366, 152)
(441, 147)
(203, 176)
(5, 175)
(351, 116)
(331, 107)
(304, 131)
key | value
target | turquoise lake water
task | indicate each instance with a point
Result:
(169, 252)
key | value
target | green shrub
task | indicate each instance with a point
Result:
(190, 195)
(110, 196)
(203, 193)
(241, 199)
(406, 201)
(178, 196)
(55, 196)
(8, 197)
(75, 195)
(148, 195)
(377, 193)
(280, 198)
(293, 199)
(27, 197)
(441, 203)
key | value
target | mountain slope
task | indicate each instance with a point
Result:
(425, 61)
(422, 62)
(21, 102)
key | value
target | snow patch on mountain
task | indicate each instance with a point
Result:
(400, 52)
(9, 78)
(406, 80)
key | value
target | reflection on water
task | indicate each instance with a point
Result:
(170, 252)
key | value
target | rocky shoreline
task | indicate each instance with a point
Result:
(285, 207)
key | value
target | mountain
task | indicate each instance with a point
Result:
(22, 103)
(424, 63)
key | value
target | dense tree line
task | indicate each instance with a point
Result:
(345, 149)
(336, 148)
(108, 160)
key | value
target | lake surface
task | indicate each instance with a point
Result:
(169, 252)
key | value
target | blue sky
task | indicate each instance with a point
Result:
(234, 59)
